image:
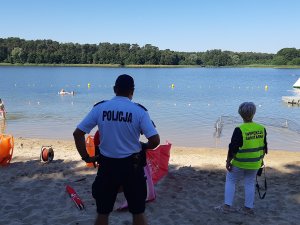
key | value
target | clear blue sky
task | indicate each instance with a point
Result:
(180, 25)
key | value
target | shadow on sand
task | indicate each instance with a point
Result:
(33, 192)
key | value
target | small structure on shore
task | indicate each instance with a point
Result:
(293, 100)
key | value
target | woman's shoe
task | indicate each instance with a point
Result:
(246, 211)
(224, 209)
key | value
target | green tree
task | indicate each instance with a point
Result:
(124, 52)
(3, 53)
(289, 53)
(295, 62)
(168, 57)
(16, 55)
(217, 58)
(16, 50)
(150, 54)
(235, 59)
(279, 60)
(134, 57)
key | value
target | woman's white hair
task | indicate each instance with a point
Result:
(247, 111)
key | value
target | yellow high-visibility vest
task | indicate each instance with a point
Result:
(251, 154)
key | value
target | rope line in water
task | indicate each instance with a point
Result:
(266, 121)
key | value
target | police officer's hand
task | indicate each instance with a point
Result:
(93, 159)
(144, 146)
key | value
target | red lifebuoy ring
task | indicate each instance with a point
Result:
(47, 153)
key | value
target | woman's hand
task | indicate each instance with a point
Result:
(228, 166)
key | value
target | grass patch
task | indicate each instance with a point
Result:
(271, 66)
(152, 66)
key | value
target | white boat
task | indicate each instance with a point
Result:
(297, 84)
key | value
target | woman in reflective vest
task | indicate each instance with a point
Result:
(245, 156)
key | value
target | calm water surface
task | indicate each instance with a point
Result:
(184, 115)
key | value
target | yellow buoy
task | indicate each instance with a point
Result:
(89, 85)
(266, 87)
(172, 85)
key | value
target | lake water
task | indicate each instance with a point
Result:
(184, 114)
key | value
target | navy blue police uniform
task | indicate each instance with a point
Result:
(120, 122)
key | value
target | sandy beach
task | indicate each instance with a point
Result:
(33, 192)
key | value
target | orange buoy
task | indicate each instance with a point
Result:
(47, 154)
(90, 148)
(6, 149)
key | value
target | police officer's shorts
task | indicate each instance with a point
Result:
(114, 173)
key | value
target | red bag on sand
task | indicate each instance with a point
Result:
(156, 168)
(158, 161)
(150, 189)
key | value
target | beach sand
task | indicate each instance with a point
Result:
(33, 192)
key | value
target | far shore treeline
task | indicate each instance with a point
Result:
(19, 51)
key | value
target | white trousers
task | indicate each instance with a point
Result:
(232, 178)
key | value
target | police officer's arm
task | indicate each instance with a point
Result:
(81, 147)
(148, 129)
(152, 143)
(80, 143)
(84, 127)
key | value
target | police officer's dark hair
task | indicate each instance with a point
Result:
(124, 85)
(247, 111)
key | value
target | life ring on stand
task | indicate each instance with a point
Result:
(47, 154)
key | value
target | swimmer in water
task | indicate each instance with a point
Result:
(63, 92)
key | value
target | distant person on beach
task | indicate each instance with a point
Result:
(2, 126)
(247, 149)
(122, 156)
(2, 109)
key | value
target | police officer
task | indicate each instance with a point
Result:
(246, 151)
(122, 155)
